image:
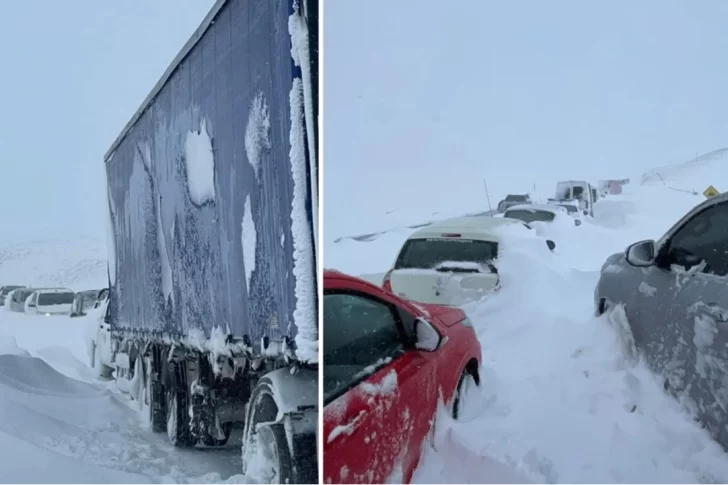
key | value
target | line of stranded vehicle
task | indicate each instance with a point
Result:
(392, 351)
(50, 301)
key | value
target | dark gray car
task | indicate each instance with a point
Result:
(513, 199)
(675, 294)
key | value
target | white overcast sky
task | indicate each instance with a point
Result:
(423, 99)
(73, 73)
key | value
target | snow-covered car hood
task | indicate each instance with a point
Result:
(614, 259)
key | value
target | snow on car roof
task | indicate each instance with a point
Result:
(553, 208)
(470, 224)
(54, 290)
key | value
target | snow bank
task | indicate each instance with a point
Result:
(304, 268)
(200, 163)
(256, 132)
(249, 238)
(563, 399)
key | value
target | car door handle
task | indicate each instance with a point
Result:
(348, 428)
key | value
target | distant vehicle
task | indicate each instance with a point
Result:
(5, 290)
(539, 213)
(49, 301)
(576, 190)
(82, 302)
(387, 363)
(449, 262)
(513, 199)
(675, 296)
(613, 187)
(16, 303)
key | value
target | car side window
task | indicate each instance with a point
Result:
(361, 334)
(704, 238)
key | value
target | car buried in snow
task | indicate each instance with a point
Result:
(451, 262)
(83, 301)
(16, 302)
(5, 291)
(546, 213)
(49, 301)
(513, 199)
(387, 362)
(674, 295)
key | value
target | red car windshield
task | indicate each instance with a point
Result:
(361, 335)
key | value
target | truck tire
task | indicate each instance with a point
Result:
(176, 402)
(268, 440)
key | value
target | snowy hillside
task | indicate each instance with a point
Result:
(564, 399)
(79, 264)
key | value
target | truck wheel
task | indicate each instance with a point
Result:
(177, 422)
(266, 439)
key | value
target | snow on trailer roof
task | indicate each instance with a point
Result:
(191, 43)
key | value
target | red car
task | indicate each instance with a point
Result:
(387, 363)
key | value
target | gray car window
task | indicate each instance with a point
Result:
(705, 236)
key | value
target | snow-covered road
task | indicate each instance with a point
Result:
(564, 399)
(60, 424)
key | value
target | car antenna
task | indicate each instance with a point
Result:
(487, 197)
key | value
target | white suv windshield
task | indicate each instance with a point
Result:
(45, 299)
(428, 253)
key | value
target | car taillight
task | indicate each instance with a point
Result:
(386, 283)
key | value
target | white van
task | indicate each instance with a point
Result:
(449, 262)
(577, 190)
(50, 301)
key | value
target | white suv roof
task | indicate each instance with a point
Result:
(554, 208)
(54, 290)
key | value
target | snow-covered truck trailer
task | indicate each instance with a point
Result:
(212, 238)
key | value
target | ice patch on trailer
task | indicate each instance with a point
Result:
(200, 163)
(249, 240)
(256, 133)
(298, 30)
(304, 315)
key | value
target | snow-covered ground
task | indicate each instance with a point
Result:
(60, 423)
(563, 399)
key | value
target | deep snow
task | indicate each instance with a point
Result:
(59, 422)
(564, 396)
